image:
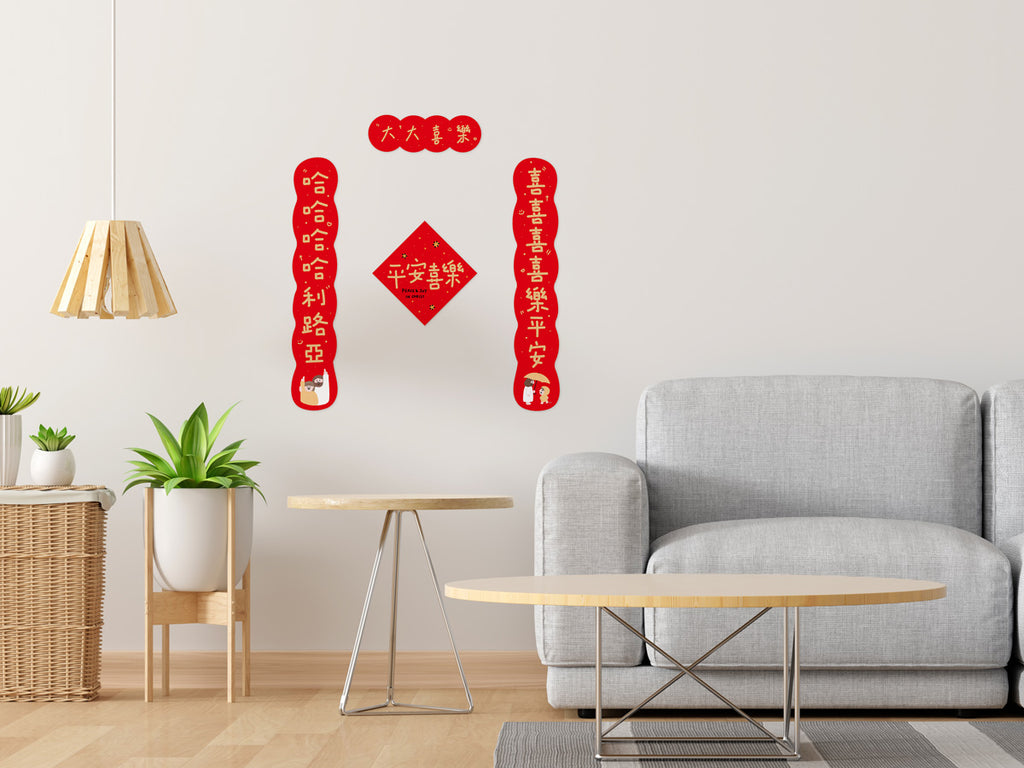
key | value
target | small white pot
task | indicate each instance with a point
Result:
(10, 447)
(53, 467)
(190, 536)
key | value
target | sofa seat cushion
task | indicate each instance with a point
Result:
(968, 629)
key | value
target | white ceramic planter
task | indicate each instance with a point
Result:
(190, 537)
(10, 447)
(53, 467)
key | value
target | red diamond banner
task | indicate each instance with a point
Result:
(424, 273)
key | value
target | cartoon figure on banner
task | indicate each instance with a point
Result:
(535, 385)
(307, 389)
(528, 391)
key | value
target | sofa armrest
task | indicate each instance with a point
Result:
(1002, 409)
(1013, 548)
(591, 516)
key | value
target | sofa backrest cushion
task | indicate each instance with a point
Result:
(794, 446)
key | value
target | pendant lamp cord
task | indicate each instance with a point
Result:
(113, 109)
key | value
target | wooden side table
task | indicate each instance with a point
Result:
(395, 506)
(223, 608)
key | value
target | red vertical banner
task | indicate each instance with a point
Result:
(534, 224)
(314, 266)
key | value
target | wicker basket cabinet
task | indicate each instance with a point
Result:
(52, 559)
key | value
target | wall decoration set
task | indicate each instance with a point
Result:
(424, 273)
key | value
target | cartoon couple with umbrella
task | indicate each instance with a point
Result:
(535, 385)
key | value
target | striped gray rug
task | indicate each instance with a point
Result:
(824, 744)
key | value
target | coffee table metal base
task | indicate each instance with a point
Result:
(788, 743)
(390, 706)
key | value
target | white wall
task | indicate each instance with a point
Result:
(744, 188)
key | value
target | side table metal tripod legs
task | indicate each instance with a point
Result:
(390, 706)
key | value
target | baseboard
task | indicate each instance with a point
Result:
(327, 669)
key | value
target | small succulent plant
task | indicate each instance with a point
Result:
(50, 439)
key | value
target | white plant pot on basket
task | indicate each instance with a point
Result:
(52, 467)
(190, 535)
(10, 447)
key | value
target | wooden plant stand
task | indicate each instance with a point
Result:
(224, 608)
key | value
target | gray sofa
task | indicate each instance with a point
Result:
(898, 477)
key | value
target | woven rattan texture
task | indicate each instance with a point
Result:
(51, 487)
(51, 600)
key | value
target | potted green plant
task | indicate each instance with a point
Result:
(52, 463)
(190, 515)
(11, 402)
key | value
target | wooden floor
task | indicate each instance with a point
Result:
(276, 728)
(290, 721)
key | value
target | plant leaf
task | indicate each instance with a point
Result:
(12, 401)
(173, 483)
(249, 483)
(200, 413)
(137, 481)
(215, 432)
(224, 456)
(144, 467)
(158, 462)
(171, 445)
(185, 436)
(148, 471)
(200, 431)
(193, 468)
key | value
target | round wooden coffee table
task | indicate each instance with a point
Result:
(396, 505)
(701, 590)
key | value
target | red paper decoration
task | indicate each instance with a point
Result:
(534, 224)
(410, 131)
(436, 137)
(414, 133)
(465, 133)
(384, 133)
(424, 273)
(314, 266)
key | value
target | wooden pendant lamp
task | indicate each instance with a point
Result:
(113, 257)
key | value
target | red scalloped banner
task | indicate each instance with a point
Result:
(314, 266)
(534, 224)
(434, 134)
